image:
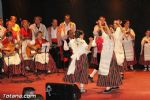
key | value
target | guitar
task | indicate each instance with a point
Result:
(35, 48)
(9, 49)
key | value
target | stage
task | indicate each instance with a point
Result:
(135, 86)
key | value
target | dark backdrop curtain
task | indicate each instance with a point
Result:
(84, 12)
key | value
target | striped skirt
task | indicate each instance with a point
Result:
(142, 61)
(13, 69)
(124, 67)
(113, 78)
(128, 63)
(93, 60)
(30, 64)
(81, 71)
(50, 66)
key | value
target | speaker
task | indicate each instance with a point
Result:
(60, 91)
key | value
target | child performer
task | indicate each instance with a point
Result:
(78, 68)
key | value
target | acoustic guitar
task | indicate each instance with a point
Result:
(9, 49)
(35, 48)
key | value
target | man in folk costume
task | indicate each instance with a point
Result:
(145, 51)
(66, 26)
(109, 74)
(95, 57)
(56, 43)
(78, 68)
(40, 51)
(67, 52)
(119, 50)
(26, 37)
(128, 44)
(2, 32)
(38, 26)
(12, 61)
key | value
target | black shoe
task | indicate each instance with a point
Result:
(115, 88)
(90, 78)
(107, 91)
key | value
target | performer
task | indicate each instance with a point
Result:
(128, 44)
(56, 43)
(119, 50)
(39, 49)
(2, 32)
(26, 37)
(145, 51)
(12, 61)
(15, 34)
(15, 26)
(67, 52)
(95, 58)
(66, 26)
(109, 74)
(2, 29)
(38, 26)
(78, 68)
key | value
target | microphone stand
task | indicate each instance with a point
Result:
(23, 67)
(45, 57)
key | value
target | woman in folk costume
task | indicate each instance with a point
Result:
(2, 32)
(12, 61)
(26, 37)
(109, 74)
(145, 51)
(2, 29)
(67, 52)
(128, 44)
(66, 26)
(15, 27)
(39, 49)
(119, 50)
(56, 43)
(78, 68)
(95, 58)
(15, 34)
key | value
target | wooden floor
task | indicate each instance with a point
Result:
(136, 86)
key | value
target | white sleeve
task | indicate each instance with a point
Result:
(96, 31)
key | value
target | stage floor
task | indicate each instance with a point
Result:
(136, 86)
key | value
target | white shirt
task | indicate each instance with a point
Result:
(42, 28)
(96, 30)
(66, 27)
(53, 32)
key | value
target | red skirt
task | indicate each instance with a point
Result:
(142, 61)
(50, 66)
(113, 78)
(13, 69)
(81, 71)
